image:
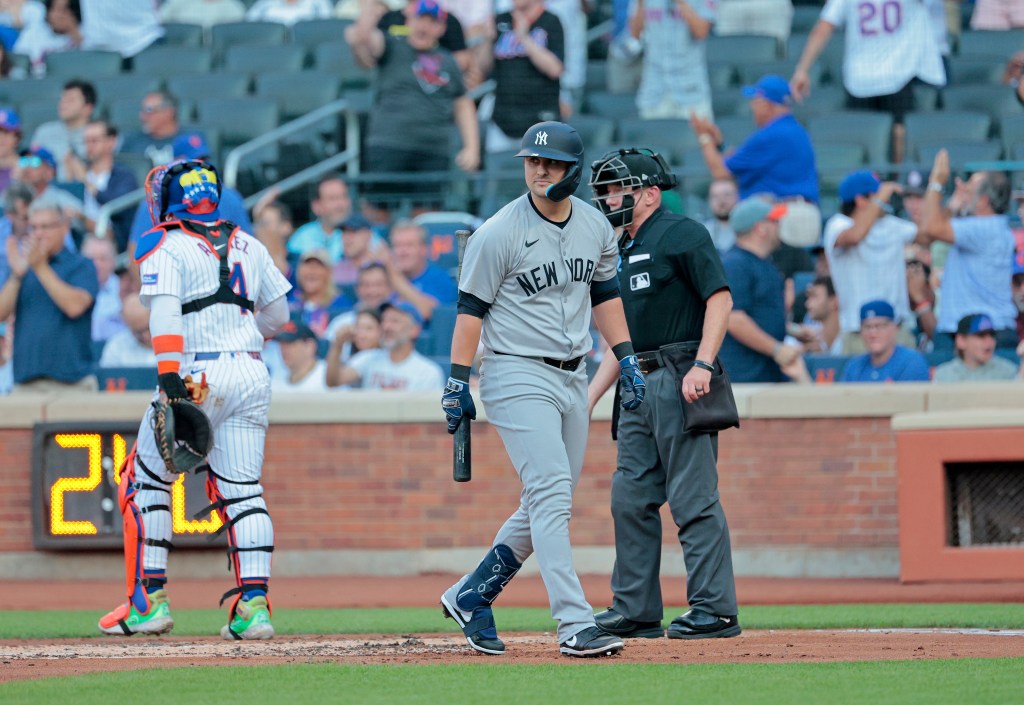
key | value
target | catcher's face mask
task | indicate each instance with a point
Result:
(188, 188)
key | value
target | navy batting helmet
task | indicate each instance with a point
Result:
(560, 142)
(631, 169)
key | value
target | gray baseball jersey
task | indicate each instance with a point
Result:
(536, 276)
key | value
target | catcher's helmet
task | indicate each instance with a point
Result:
(188, 188)
(631, 169)
(561, 142)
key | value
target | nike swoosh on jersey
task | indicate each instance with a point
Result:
(531, 244)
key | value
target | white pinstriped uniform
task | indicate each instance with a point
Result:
(185, 267)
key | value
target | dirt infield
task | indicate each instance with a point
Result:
(31, 659)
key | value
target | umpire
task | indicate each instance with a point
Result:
(677, 304)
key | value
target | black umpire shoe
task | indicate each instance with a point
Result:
(591, 642)
(701, 625)
(614, 623)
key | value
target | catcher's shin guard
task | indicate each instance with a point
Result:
(247, 530)
(137, 578)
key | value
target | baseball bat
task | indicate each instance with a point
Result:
(462, 450)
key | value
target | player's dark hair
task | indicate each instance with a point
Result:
(369, 267)
(87, 90)
(827, 283)
(17, 191)
(109, 128)
(74, 7)
(847, 207)
(996, 186)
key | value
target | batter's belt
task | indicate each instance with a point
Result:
(567, 365)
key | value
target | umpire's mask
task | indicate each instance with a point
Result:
(630, 170)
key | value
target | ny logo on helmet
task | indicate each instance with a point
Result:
(542, 138)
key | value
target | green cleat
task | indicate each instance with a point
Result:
(127, 620)
(251, 620)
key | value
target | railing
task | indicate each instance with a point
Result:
(108, 209)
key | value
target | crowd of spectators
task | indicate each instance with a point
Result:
(912, 270)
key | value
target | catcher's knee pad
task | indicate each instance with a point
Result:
(132, 515)
(240, 506)
(484, 584)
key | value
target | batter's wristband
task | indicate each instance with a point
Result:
(704, 365)
(623, 350)
(460, 372)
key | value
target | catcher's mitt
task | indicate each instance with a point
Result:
(183, 433)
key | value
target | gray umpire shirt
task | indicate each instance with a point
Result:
(537, 275)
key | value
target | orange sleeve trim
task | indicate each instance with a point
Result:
(168, 344)
(165, 366)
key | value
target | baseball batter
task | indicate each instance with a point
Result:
(214, 295)
(532, 274)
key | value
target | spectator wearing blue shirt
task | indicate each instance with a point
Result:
(753, 349)
(332, 206)
(979, 267)
(884, 361)
(416, 280)
(51, 291)
(777, 159)
(192, 145)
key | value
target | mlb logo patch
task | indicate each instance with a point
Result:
(149, 279)
(640, 281)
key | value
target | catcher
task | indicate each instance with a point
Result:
(214, 295)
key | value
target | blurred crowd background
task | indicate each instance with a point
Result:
(355, 138)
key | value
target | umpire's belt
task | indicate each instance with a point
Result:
(651, 361)
(215, 355)
(569, 365)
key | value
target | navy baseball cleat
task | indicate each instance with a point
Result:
(477, 624)
(591, 642)
(618, 625)
(701, 625)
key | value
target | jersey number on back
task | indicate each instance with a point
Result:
(236, 282)
(883, 18)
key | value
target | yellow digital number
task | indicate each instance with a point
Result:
(181, 525)
(93, 443)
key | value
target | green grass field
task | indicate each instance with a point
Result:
(931, 682)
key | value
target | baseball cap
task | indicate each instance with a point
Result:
(751, 211)
(44, 155)
(404, 307)
(877, 309)
(356, 221)
(319, 254)
(431, 9)
(191, 145)
(771, 87)
(975, 324)
(859, 183)
(9, 120)
(295, 330)
(914, 185)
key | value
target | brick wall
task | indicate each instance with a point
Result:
(817, 483)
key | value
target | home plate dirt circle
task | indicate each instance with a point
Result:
(41, 659)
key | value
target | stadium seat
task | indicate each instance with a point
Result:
(730, 103)
(926, 98)
(309, 33)
(298, 93)
(1012, 130)
(999, 45)
(597, 76)
(21, 63)
(35, 113)
(994, 100)
(971, 71)
(442, 245)
(742, 49)
(831, 56)
(750, 73)
(870, 130)
(735, 130)
(255, 59)
(960, 153)
(128, 85)
(805, 17)
(229, 34)
(201, 86)
(442, 325)
(139, 164)
(223, 114)
(125, 379)
(596, 132)
(616, 106)
(35, 89)
(837, 159)
(168, 61)
(825, 369)
(721, 76)
(84, 63)
(336, 57)
(822, 101)
(946, 126)
(668, 136)
(182, 34)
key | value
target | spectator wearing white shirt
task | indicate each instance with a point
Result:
(132, 347)
(887, 45)
(305, 373)
(396, 365)
(107, 317)
(126, 27)
(363, 333)
(61, 31)
(864, 245)
(202, 12)
(288, 12)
